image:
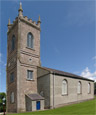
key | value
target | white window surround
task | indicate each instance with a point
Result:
(12, 97)
(29, 75)
(79, 87)
(64, 87)
(89, 88)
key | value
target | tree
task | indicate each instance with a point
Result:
(2, 101)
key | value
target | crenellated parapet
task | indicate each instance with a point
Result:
(24, 19)
(11, 25)
(37, 25)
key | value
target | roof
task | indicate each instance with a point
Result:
(62, 73)
(34, 97)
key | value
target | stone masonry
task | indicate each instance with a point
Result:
(22, 59)
(46, 82)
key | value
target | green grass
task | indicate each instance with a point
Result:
(84, 108)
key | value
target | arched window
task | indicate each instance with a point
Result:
(79, 87)
(64, 87)
(13, 43)
(12, 97)
(30, 40)
(89, 88)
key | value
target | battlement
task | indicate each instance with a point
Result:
(31, 22)
(25, 19)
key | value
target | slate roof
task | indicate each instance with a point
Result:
(62, 73)
(35, 97)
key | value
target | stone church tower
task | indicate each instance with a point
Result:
(23, 57)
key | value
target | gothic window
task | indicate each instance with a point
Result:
(79, 87)
(12, 77)
(29, 74)
(13, 43)
(12, 97)
(64, 87)
(89, 88)
(30, 40)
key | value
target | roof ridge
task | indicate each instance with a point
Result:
(66, 73)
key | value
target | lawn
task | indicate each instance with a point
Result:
(84, 108)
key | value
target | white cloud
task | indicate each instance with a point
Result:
(87, 74)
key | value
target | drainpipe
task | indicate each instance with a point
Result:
(53, 89)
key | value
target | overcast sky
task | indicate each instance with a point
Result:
(67, 34)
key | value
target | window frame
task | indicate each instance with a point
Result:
(79, 87)
(13, 43)
(30, 41)
(29, 72)
(11, 77)
(64, 87)
(89, 88)
(12, 98)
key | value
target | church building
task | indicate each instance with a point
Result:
(30, 86)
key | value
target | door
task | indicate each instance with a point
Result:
(38, 105)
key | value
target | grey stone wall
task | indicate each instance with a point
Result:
(72, 95)
(11, 67)
(28, 104)
(43, 85)
(29, 59)
(41, 72)
(54, 98)
(42, 104)
(25, 59)
(33, 105)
